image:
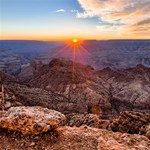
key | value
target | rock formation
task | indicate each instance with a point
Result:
(36, 120)
(74, 81)
(106, 92)
(78, 120)
(31, 120)
(131, 122)
(7, 98)
(82, 89)
(10, 99)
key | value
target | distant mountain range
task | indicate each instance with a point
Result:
(16, 54)
(116, 54)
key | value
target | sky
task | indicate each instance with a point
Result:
(60, 20)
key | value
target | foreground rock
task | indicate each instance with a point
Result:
(78, 120)
(31, 120)
(91, 120)
(74, 138)
(86, 138)
(131, 122)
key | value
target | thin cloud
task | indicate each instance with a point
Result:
(60, 11)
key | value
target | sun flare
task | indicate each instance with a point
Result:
(75, 43)
(74, 40)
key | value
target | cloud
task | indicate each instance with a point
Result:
(107, 29)
(60, 11)
(132, 14)
(143, 22)
(141, 27)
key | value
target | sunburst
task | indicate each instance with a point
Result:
(74, 50)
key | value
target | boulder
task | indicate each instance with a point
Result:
(31, 120)
(130, 122)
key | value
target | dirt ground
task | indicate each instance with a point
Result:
(10, 140)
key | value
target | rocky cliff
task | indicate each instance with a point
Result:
(72, 87)
(106, 92)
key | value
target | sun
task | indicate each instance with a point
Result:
(75, 43)
(75, 40)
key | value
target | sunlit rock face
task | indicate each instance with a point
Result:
(31, 120)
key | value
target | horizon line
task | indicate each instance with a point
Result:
(77, 38)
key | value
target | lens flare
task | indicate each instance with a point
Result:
(74, 40)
